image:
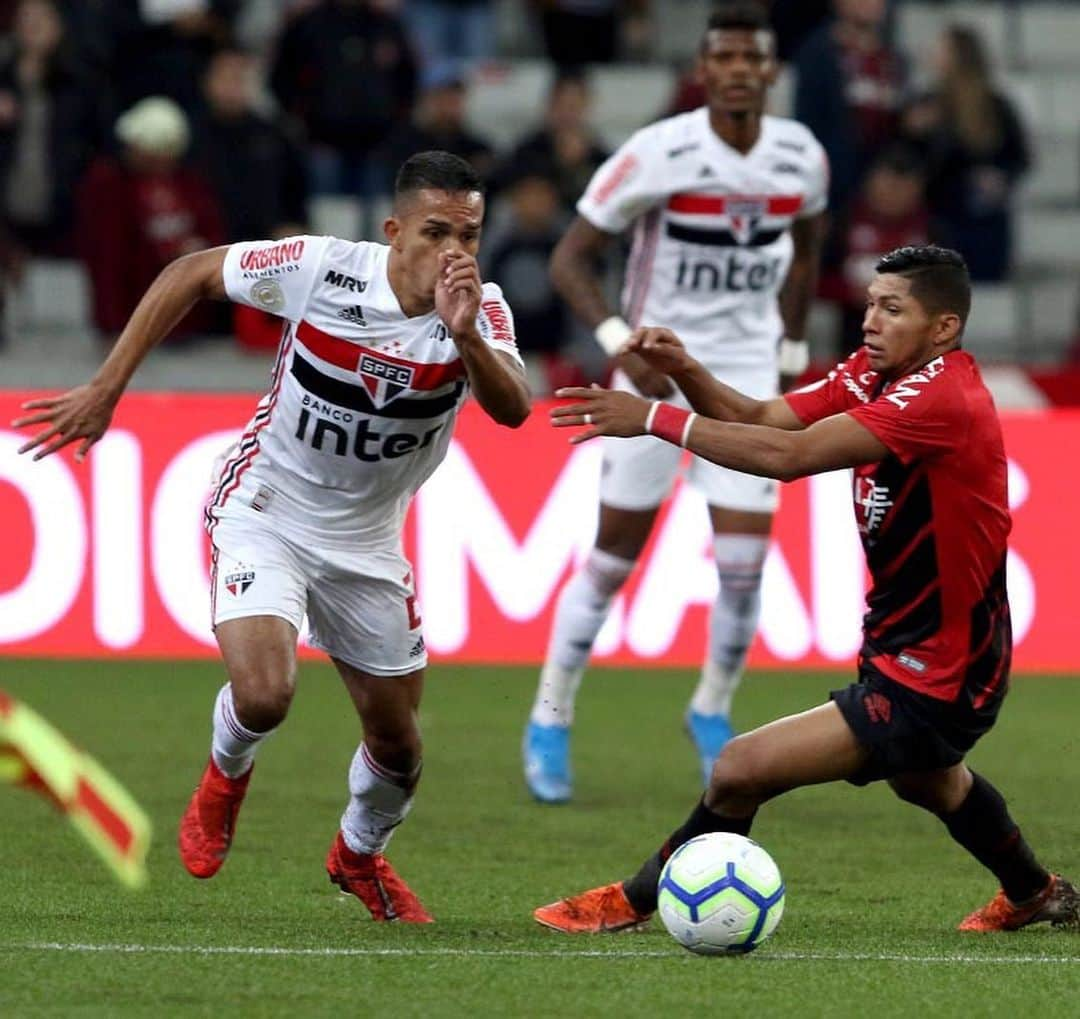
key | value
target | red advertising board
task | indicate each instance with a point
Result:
(109, 557)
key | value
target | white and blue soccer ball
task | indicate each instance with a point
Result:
(720, 894)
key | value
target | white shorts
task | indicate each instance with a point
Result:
(639, 473)
(360, 605)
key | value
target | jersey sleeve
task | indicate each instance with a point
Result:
(624, 186)
(274, 276)
(917, 422)
(496, 322)
(839, 391)
(817, 181)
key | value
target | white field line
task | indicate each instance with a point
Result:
(530, 953)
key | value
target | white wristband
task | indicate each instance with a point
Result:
(651, 416)
(611, 334)
(794, 356)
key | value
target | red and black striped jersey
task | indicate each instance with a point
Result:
(934, 520)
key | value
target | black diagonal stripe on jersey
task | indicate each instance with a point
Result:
(344, 394)
(720, 238)
(912, 512)
(990, 642)
(920, 621)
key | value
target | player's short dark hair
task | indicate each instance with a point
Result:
(739, 15)
(939, 277)
(438, 171)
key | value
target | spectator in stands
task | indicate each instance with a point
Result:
(565, 143)
(254, 164)
(517, 256)
(849, 91)
(439, 121)
(889, 212)
(976, 150)
(578, 32)
(139, 212)
(50, 124)
(162, 47)
(451, 29)
(346, 70)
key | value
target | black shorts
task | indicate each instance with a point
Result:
(905, 730)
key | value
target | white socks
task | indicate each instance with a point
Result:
(233, 746)
(379, 800)
(733, 621)
(579, 616)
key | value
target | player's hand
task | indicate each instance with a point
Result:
(660, 349)
(646, 380)
(458, 291)
(601, 412)
(82, 413)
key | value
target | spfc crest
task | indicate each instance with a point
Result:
(384, 380)
(744, 215)
(237, 583)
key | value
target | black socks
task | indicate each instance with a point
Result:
(641, 888)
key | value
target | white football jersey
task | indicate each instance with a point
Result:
(362, 401)
(711, 239)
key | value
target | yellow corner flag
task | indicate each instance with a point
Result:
(35, 755)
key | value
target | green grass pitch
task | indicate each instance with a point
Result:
(875, 887)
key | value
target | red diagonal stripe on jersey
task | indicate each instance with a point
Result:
(716, 205)
(346, 354)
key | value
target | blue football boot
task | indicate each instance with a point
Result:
(546, 752)
(709, 733)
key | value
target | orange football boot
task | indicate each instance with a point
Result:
(374, 882)
(593, 912)
(1058, 904)
(208, 824)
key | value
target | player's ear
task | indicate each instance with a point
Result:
(948, 328)
(391, 229)
(771, 68)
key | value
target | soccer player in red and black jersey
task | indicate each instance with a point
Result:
(910, 414)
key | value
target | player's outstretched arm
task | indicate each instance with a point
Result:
(768, 452)
(496, 380)
(83, 414)
(574, 275)
(664, 351)
(797, 294)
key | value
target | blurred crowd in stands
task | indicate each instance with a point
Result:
(133, 131)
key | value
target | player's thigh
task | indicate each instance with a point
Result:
(809, 748)
(258, 597)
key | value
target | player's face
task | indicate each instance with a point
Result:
(899, 334)
(429, 222)
(736, 66)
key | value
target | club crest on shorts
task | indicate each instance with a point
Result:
(237, 583)
(384, 380)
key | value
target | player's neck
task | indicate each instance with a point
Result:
(739, 130)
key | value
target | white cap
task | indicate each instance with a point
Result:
(156, 125)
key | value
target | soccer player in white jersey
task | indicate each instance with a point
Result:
(380, 346)
(726, 206)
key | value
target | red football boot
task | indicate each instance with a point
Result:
(374, 882)
(1057, 904)
(208, 824)
(596, 911)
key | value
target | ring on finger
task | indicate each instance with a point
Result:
(588, 419)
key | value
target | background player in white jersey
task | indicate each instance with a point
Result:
(727, 209)
(380, 345)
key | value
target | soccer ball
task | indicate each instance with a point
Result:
(720, 894)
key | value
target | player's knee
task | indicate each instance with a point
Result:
(738, 776)
(398, 747)
(262, 706)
